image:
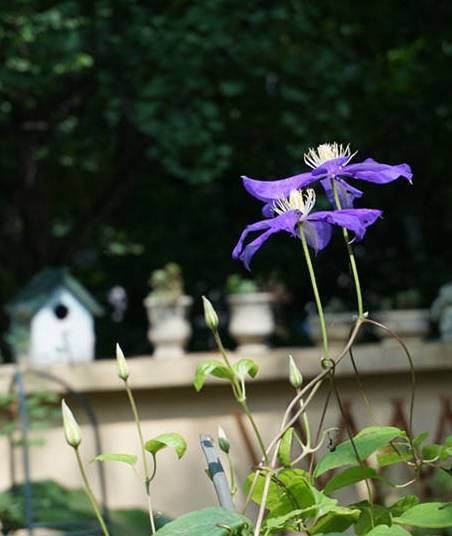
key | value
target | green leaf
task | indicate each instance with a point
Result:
(285, 448)
(434, 515)
(213, 521)
(432, 451)
(286, 521)
(390, 456)
(366, 442)
(130, 459)
(385, 530)
(324, 503)
(348, 477)
(244, 367)
(289, 489)
(446, 451)
(211, 367)
(403, 504)
(338, 518)
(175, 441)
(381, 516)
(419, 439)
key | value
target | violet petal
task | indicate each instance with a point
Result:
(272, 190)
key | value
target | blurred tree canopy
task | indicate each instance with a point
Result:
(127, 124)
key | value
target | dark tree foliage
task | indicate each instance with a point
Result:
(127, 124)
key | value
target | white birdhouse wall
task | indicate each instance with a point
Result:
(62, 331)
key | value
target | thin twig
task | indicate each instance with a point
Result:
(412, 369)
(355, 450)
(320, 426)
(312, 383)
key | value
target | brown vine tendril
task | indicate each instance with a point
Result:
(413, 380)
(320, 426)
(355, 450)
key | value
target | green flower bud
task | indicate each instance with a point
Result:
(210, 316)
(295, 377)
(121, 364)
(223, 441)
(71, 428)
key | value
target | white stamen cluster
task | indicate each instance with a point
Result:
(327, 151)
(302, 200)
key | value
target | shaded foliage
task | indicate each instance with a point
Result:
(126, 125)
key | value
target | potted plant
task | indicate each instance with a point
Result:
(167, 308)
(405, 317)
(251, 316)
(441, 312)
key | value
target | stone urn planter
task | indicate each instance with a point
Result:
(167, 308)
(441, 312)
(251, 321)
(169, 329)
(410, 324)
(338, 326)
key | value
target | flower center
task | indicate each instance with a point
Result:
(302, 200)
(327, 151)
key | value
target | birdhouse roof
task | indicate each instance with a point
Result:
(37, 291)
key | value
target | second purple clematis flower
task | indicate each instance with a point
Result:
(288, 213)
(329, 161)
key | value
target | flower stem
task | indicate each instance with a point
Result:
(90, 494)
(248, 413)
(351, 256)
(147, 478)
(232, 478)
(238, 393)
(316, 291)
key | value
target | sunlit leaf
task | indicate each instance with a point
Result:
(130, 459)
(172, 440)
(366, 442)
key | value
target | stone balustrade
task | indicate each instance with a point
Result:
(168, 402)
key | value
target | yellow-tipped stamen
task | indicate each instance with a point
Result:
(315, 157)
(302, 200)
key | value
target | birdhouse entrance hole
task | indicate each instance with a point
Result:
(61, 311)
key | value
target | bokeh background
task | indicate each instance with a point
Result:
(125, 126)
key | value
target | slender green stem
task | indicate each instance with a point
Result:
(90, 494)
(147, 478)
(248, 413)
(232, 479)
(222, 349)
(239, 395)
(351, 256)
(250, 491)
(315, 290)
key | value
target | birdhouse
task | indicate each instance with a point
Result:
(52, 320)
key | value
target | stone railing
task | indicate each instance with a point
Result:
(168, 402)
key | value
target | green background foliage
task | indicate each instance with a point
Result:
(126, 125)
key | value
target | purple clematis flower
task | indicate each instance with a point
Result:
(329, 162)
(296, 209)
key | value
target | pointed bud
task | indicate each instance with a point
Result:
(210, 316)
(223, 441)
(71, 428)
(295, 377)
(121, 364)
